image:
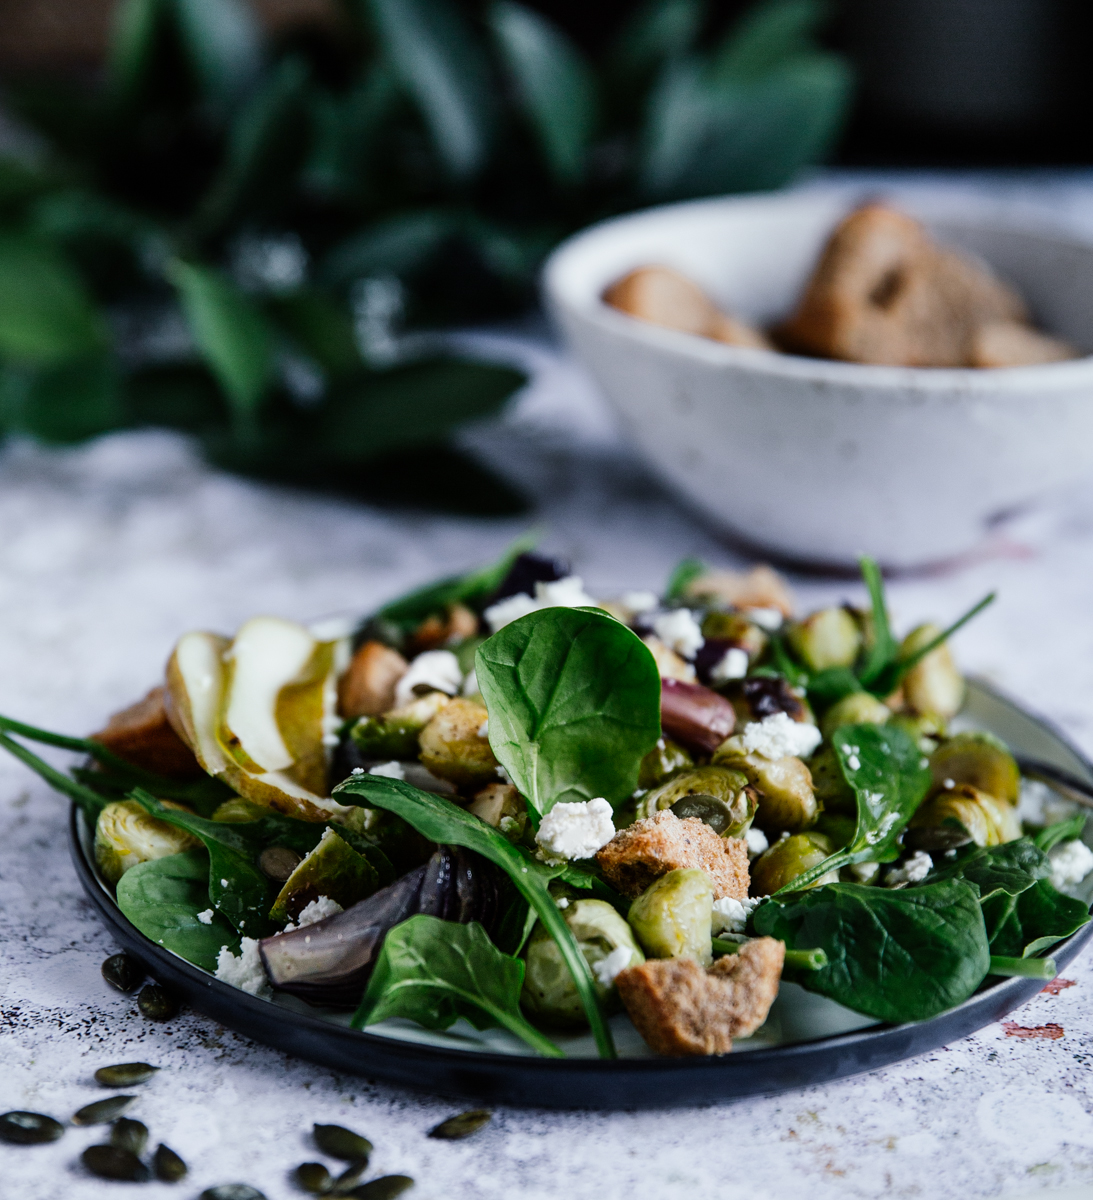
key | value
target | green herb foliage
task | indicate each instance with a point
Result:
(574, 704)
(900, 955)
(1062, 831)
(434, 972)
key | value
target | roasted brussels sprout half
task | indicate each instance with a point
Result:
(784, 787)
(829, 783)
(979, 759)
(960, 815)
(828, 638)
(454, 745)
(925, 729)
(663, 760)
(673, 917)
(787, 859)
(237, 810)
(126, 835)
(934, 685)
(333, 869)
(859, 708)
(723, 786)
(502, 806)
(735, 629)
(549, 994)
(395, 734)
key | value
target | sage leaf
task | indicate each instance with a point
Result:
(138, 26)
(767, 36)
(398, 245)
(224, 45)
(659, 31)
(68, 402)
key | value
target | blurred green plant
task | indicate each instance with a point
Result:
(224, 236)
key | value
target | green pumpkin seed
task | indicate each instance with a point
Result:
(462, 1125)
(102, 1112)
(157, 1003)
(128, 1134)
(232, 1191)
(125, 1074)
(313, 1178)
(122, 971)
(387, 1187)
(278, 862)
(169, 1168)
(349, 1178)
(115, 1162)
(29, 1129)
(342, 1143)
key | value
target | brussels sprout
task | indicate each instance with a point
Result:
(859, 708)
(502, 806)
(980, 759)
(926, 729)
(784, 787)
(237, 810)
(454, 745)
(728, 787)
(395, 734)
(663, 760)
(333, 869)
(673, 917)
(549, 994)
(828, 638)
(829, 783)
(787, 859)
(934, 685)
(737, 629)
(126, 835)
(960, 815)
(838, 828)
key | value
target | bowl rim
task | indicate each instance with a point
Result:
(562, 297)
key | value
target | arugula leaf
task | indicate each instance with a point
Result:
(443, 822)
(1024, 925)
(162, 899)
(434, 972)
(885, 647)
(574, 704)
(902, 955)
(890, 779)
(1062, 831)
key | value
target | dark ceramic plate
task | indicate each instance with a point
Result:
(790, 1052)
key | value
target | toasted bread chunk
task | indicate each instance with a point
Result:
(761, 587)
(1008, 344)
(643, 852)
(680, 1009)
(457, 623)
(143, 736)
(367, 689)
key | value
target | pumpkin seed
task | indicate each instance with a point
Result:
(461, 1125)
(128, 1134)
(157, 1003)
(232, 1191)
(313, 1178)
(125, 1074)
(29, 1129)
(349, 1178)
(278, 862)
(115, 1162)
(387, 1187)
(342, 1143)
(102, 1112)
(168, 1166)
(122, 971)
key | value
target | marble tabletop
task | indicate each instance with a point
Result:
(109, 551)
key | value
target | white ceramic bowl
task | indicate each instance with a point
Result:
(822, 461)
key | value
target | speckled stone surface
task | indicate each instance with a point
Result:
(108, 552)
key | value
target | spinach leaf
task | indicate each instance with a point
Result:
(1023, 925)
(446, 823)
(889, 777)
(1062, 831)
(433, 972)
(1011, 868)
(682, 577)
(162, 899)
(885, 647)
(574, 704)
(902, 955)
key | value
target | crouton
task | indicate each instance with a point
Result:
(367, 688)
(457, 624)
(1008, 344)
(681, 1009)
(142, 734)
(761, 587)
(643, 852)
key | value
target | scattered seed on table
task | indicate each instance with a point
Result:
(232, 1191)
(128, 1134)
(349, 1178)
(115, 1162)
(29, 1129)
(387, 1187)
(313, 1178)
(168, 1166)
(122, 971)
(342, 1143)
(102, 1112)
(125, 1074)
(157, 1003)
(462, 1125)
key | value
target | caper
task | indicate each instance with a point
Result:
(349, 1178)
(462, 1125)
(341, 1143)
(29, 1129)
(128, 1134)
(115, 1162)
(157, 1003)
(102, 1112)
(387, 1187)
(313, 1178)
(169, 1168)
(278, 862)
(232, 1191)
(122, 971)
(125, 1074)
(708, 809)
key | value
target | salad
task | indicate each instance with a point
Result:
(504, 800)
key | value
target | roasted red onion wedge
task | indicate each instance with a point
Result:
(694, 716)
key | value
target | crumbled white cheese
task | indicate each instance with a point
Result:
(484, 729)
(576, 830)
(1041, 805)
(562, 902)
(853, 762)
(779, 736)
(637, 603)
(1070, 862)
(733, 665)
(389, 770)
(680, 631)
(915, 869)
(607, 968)
(358, 770)
(731, 916)
(866, 871)
(766, 618)
(246, 971)
(206, 917)
(223, 883)
(318, 910)
(436, 669)
(470, 684)
(757, 842)
(512, 608)
(559, 593)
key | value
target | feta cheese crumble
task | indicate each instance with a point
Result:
(245, 971)
(731, 916)
(576, 830)
(915, 869)
(639, 602)
(470, 684)
(757, 842)
(769, 619)
(853, 762)
(435, 669)
(1070, 863)
(389, 770)
(206, 917)
(559, 593)
(607, 968)
(733, 665)
(864, 872)
(484, 729)
(317, 910)
(778, 736)
(679, 631)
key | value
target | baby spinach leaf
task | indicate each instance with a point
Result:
(162, 899)
(682, 577)
(1062, 831)
(890, 778)
(446, 823)
(574, 704)
(902, 955)
(1011, 868)
(1023, 925)
(433, 972)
